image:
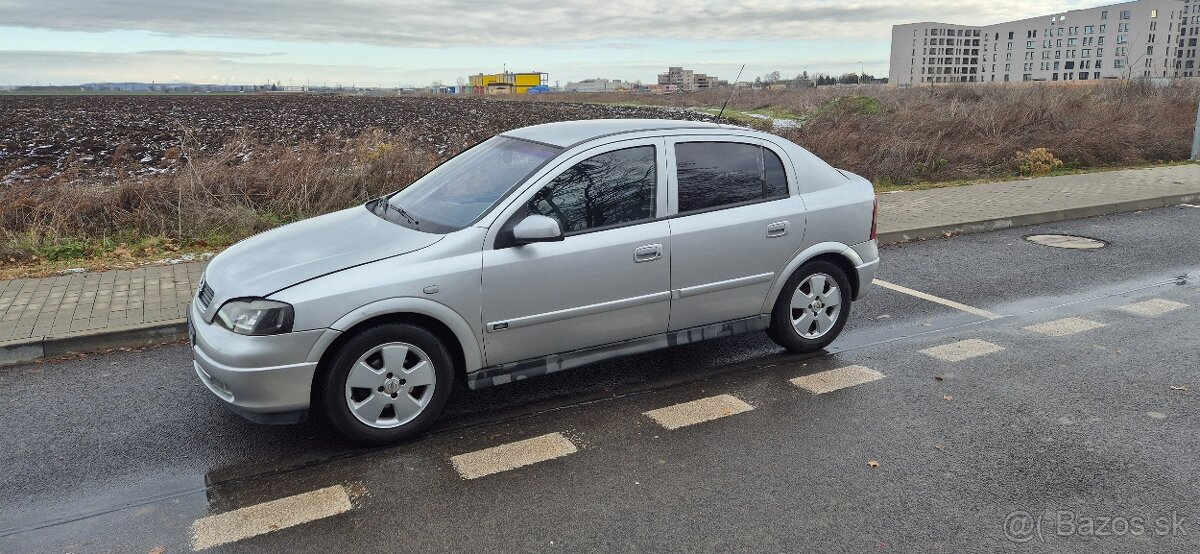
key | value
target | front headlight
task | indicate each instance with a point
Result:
(255, 316)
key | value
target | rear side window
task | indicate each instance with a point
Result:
(717, 174)
(611, 189)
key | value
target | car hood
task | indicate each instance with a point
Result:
(282, 257)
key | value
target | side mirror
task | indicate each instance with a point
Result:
(537, 228)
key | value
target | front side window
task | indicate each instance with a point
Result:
(717, 174)
(614, 188)
(458, 192)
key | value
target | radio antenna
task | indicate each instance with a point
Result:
(730, 97)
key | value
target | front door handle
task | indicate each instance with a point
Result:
(777, 229)
(647, 253)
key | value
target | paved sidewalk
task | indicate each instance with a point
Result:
(92, 311)
(88, 301)
(991, 206)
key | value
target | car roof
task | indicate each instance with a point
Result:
(568, 133)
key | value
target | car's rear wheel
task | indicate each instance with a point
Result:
(812, 308)
(388, 383)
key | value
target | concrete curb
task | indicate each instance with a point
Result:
(1050, 216)
(159, 332)
(82, 342)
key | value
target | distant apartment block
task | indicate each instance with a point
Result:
(686, 79)
(1140, 39)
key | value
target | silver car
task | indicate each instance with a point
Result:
(538, 250)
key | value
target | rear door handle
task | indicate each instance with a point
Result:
(777, 229)
(647, 253)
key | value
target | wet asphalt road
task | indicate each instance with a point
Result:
(122, 452)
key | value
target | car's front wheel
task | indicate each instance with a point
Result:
(812, 308)
(388, 383)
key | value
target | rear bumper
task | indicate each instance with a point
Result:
(867, 266)
(264, 379)
(866, 275)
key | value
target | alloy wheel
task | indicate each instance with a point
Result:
(390, 385)
(816, 304)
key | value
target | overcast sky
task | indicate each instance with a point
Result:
(392, 43)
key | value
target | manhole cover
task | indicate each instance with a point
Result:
(1067, 241)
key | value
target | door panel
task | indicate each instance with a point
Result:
(587, 290)
(727, 253)
(608, 280)
(723, 262)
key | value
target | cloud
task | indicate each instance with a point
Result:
(201, 66)
(197, 66)
(511, 22)
(571, 39)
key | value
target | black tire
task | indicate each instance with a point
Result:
(781, 330)
(332, 393)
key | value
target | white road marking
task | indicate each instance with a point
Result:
(513, 455)
(1065, 326)
(1153, 307)
(962, 350)
(258, 519)
(1190, 205)
(938, 300)
(834, 379)
(698, 411)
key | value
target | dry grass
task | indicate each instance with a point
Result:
(944, 133)
(208, 200)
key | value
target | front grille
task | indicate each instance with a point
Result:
(206, 294)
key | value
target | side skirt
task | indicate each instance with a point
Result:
(515, 371)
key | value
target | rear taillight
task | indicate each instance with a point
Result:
(875, 219)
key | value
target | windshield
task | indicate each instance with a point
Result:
(458, 192)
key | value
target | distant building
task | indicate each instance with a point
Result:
(686, 79)
(1139, 39)
(501, 88)
(507, 82)
(662, 89)
(599, 85)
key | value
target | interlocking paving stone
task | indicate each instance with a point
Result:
(951, 206)
(54, 305)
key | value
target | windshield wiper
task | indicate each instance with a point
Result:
(403, 213)
(387, 205)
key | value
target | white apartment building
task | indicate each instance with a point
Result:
(1139, 39)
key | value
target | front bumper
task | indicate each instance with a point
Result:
(265, 379)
